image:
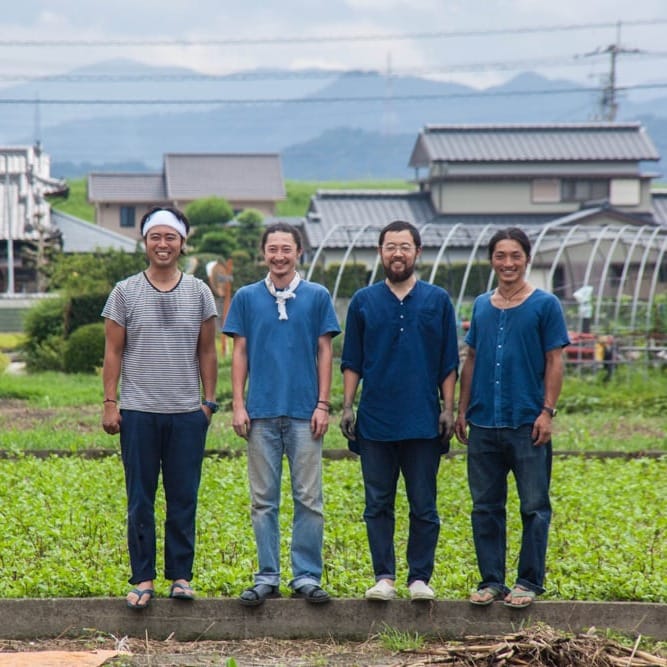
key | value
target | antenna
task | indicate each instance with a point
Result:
(608, 97)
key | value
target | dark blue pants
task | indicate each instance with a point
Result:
(381, 463)
(173, 444)
(492, 454)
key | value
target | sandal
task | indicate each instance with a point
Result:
(312, 593)
(491, 594)
(517, 593)
(181, 591)
(255, 595)
(140, 592)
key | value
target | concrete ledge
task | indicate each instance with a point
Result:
(225, 619)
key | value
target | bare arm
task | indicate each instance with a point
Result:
(114, 345)
(240, 418)
(461, 425)
(208, 361)
(553, 383)
(319, 422)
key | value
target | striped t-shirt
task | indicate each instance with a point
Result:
(160, 367)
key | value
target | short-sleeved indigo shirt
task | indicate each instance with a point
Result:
(510, 351)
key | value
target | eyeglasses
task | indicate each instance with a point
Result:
(393, 247)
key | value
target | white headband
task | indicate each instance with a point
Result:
(167, 218)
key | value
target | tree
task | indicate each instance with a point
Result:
(249, 231)
(206, 215)
(92, 272)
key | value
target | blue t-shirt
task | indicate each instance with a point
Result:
(510, 346)
(282, 354)
(403, 351)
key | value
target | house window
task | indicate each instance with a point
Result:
(584, 189)
(545, 191)
(625, 192)
(127, 216)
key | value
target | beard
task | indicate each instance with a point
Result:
(398, 275)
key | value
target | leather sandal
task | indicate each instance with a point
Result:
(312, 593)
(255, 595)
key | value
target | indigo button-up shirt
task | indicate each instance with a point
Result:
(403, 351)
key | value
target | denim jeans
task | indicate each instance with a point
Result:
(173, 443)
(268, 440)
(492, 454)
(381, 463)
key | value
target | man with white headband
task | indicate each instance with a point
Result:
(160, 346)
(282, 328)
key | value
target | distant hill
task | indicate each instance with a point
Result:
(325, 125)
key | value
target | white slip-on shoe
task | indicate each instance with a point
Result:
(420, 590)
(381, 591)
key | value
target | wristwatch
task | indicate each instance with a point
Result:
(213, 407)
(550, 411)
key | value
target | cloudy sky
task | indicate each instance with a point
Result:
(478, 42)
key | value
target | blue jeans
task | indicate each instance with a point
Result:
(268, 440)
(173, 443)
(381, 463)
(492, 454)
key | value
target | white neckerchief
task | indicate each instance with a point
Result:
(282, 295)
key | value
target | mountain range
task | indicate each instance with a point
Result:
(123, 116)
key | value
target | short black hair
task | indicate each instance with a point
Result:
(510, 234)
(400, 226)
(282, 227)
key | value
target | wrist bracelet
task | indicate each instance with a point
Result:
(325, 403)
(109, 400)
(323, 409)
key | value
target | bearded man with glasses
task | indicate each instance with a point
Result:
(400, 342)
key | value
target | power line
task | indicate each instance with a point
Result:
(301, 39)
(319, 100)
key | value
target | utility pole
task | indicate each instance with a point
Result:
(608, 98)
(10, 238)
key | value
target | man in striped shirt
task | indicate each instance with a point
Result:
(160, 345)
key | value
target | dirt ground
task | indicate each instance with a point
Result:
(245, 653)
(537, 647)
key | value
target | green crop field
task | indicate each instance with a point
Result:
(64, 521)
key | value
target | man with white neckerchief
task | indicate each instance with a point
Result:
(282, 328)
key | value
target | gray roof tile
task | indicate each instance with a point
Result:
(567, 142)
(140, 188)
(83, 236)
(247, 176)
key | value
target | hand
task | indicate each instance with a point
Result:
(111, 419)
(446, 425)
(241, 422)
(461, 429)
(542, 429)
(347, 424)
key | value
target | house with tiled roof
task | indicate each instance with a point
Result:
(245, 180)
(581, 191)
(25, 214)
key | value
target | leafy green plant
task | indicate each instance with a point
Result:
(395, 640)
(84, 349)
